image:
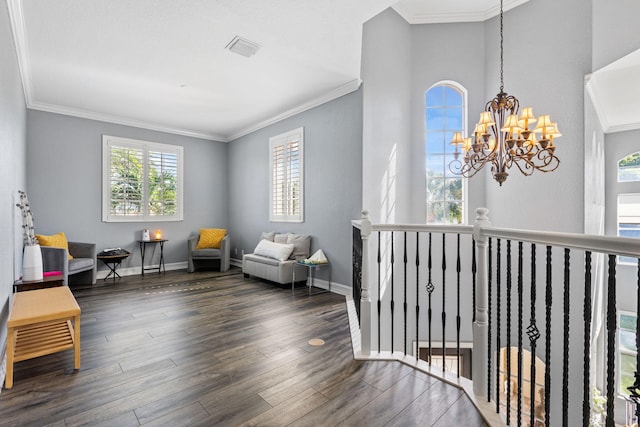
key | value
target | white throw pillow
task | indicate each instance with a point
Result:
(278, 251)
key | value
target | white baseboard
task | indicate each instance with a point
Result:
(3, 367)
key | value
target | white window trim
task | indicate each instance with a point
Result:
(146, 146)
(465, 122)
(280, 140)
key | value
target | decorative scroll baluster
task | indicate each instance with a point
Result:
(489, 277)
(586, 314)
(565, 358)
(417, 295)
(444, 313)
(534, 335)
(458, 302)
(498, 304)
(379, 288)
(393, 302)
(520, 260)
(547, 372)
(508, 373)
(430, 289)
(611, 341)
(404, 305)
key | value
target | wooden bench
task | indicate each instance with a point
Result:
(42, 322)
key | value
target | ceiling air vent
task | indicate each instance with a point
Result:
(243, 47)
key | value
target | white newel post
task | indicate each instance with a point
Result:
(365, 300)
(481, 325)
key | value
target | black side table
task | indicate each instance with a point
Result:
(113, 262)
(143, 248)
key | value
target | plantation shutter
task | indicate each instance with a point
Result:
(286, 181)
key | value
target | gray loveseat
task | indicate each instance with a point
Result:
(270, 260)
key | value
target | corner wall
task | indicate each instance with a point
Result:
(333, 187)
(12, 171)
(64, 158)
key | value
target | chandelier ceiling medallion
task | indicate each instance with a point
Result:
(503, 140)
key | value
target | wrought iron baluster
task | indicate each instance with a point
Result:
(565, 357)
(534, 335)
(404, 304)
(489, 277)
(379, 287)
(498, 304)
(458, 303)
(520, 260)
(547, 362)
(417, 295)
(611, 340)
(474, 269)
(508, 370)
(392, 291)
(586, 314)
(444, 313)
(634, 389)
(430, 289)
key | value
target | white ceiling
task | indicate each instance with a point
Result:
(162, 64)
(615, 92)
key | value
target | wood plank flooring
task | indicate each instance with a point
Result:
(212, 349)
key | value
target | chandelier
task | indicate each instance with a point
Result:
(503, 139)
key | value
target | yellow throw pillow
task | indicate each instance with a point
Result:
(211, 238)
(57, 241)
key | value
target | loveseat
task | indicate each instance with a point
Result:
(275, 256)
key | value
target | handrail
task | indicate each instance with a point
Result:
(625, 246)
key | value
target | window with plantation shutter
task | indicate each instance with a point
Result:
(286, 160)
(142, 181)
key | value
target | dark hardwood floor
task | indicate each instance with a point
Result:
(215, 349)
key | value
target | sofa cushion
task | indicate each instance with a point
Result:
(80, 264)
(273, 250)
(56, 241)
(301, 244)
(280, 238)
(206, 253)
(262, 259)
(268, 235)
(211, 238)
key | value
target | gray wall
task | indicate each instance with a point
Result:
(386, 153)
(615, 30)
(12, 170)
(333, 184)
(64, 158)
(547, 73)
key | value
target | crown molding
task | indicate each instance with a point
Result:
(16, 17)
(92, 115)
(345, 89)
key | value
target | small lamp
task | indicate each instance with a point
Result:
(158, 235)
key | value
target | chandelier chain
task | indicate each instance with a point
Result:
(501, 52)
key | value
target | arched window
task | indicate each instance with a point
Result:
(445, 113)
(629, 168)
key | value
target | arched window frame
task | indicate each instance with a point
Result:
(438, 154)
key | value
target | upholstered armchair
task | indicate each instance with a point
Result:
(198, 257)
(81, 269)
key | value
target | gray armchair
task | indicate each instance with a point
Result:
(196, 257)
(81, 269)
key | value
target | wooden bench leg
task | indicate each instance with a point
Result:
(11, 344)
(76, 341)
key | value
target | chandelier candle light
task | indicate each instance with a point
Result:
(503, 140)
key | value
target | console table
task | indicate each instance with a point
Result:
(143, 248)
(49, 280)
(41, 322)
